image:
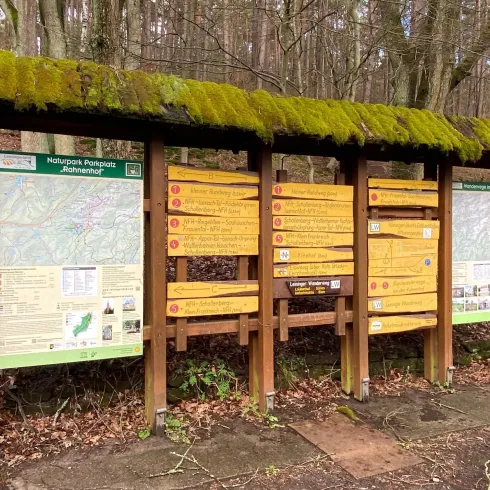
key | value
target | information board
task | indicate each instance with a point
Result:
(71, 259)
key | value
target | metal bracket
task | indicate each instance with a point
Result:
(159, 426)
(365, 390)
(269, 400)
(449, 375)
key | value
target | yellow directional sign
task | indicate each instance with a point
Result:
(180, 189)
(314, 191)
(301, 207)
(211, 176)
(213, 207)
(379, 248)
(213, 306)
(313, 223)
(425, 265)
(400, 198)
(300, 239)
(418, 185)
(315, 269)
(312, 254)
(409, 303)
(179, 290)
(390, 286)
(394, 324)
(200, 225)
(406, 228)
(198, 245)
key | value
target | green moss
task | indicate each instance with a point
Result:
(348, 412)
(8, 85)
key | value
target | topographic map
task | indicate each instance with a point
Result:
(471, 226)
(54, 221)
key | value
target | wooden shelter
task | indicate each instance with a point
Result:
(84, 99)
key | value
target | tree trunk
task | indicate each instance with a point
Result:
(133, 15)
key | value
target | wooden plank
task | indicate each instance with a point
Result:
(409, 303)
(178, 308)
(300, 207)
(230, 208)
(283, 315)
(326, 192)
(181, 324)
(426, 229)
(200, 225)
(340, 312)
(346, 359)
(201, 245)
(425, 265)
(156, 353)
(381, 248)
(312, 254)
(379, 197)
(405, 323)
(419, 185)
(318, 269)
(314, 223)
(212, 289)
(391, 286)
(211, 191)
(404, 213)
(307, 239)
(210, 176)
(242, 274)
(281, 289)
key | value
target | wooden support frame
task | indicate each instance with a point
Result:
(181, 276)
(242, 274)
(156, 286)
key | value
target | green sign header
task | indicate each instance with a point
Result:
(471, 186)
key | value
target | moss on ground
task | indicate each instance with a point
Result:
(47, 85)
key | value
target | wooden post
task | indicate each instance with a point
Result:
(262, 352)
(356, 175)
(242, 274)
(155, 281)
(444, 285)
(181, 323)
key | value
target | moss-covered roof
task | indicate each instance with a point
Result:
(66, 85)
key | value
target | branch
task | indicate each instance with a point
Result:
(11, 13)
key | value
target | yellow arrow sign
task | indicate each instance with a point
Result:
(409, 303)
(299, 207)
(379, 248)
(390, 286)
(394, 324)
(311, 254)
(399, 198)
(199, 245)
(179, 290)
(180, 189)
(406, 228)
(314, 191)
(214, 306)
(299, 239)
(214, 207)
(404, 266)
(313, 223)
(316, 269)
(419, 185)
(211, 176)
(200, 225)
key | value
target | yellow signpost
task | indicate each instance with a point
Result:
(405, 323)
(315, 269)
(313, 223)
(180, 189)
(391, 286)
(180, 290)
(200, 225)
(379, 248)
(409, 303)
(211, 176)
(379, 197)
(214, 306)
(426, 185)
(314, 191)
(312, 254)
(198, 245)
(213, 207)
(425, 265)
(406, 228)
(300, 239)
(300, 207)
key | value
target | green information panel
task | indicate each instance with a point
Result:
(71, 259)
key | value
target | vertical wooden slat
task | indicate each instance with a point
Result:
(444, 287)
(242, 274)
(155, 351)
(340, 318)
(181, 323)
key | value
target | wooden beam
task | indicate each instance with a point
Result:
(181, 276)
(155, 352)
(242, 274)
